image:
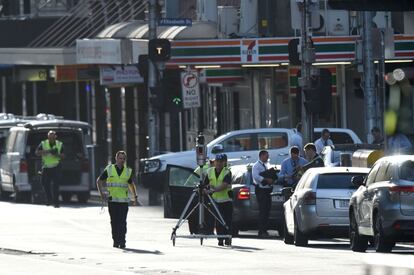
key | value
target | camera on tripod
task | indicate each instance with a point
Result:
(201, 154)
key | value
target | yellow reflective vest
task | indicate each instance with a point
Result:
(221, 196)
(117, 185)
(51, 160)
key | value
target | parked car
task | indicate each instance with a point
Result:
(182, 181)
(382, 208)
(241, 147)
(19, 165)
(319, 204)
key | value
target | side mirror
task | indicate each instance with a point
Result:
(357, 180)
(218, 148)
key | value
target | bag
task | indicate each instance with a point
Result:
(269, 173)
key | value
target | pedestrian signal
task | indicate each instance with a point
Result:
(159, 49)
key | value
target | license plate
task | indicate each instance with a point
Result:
(341, 203)
(277, 198)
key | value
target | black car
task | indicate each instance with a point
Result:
(182, 182)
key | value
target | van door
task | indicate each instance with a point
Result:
(6, 163)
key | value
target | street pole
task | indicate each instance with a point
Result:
(369, 79)
(307, 54)
(152, 82)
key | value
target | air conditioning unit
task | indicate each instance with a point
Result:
(228, 20)
(333, 22)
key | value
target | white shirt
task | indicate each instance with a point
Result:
(297, 140)
(320, 143)
(259, 167)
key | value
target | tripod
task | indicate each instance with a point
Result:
(201, 206)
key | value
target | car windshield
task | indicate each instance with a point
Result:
(337, 180)
(407, 171)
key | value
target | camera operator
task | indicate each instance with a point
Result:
(218, 181)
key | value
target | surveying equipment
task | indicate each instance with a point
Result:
(200, 190)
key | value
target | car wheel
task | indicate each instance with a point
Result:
(358, 243)
(66, 197)
(299, 238)
(3, 195)
(287, 238)
(381, 243)
(83, 197)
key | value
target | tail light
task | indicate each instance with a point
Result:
(85, 166)
(23, 166)
(309, 198)
(401, 189)
(244, 194)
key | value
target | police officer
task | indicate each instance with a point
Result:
(219, 180)
(118, 179)
(51, 151)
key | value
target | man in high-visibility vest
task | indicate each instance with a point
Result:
(51, 151)
(219, 180)
(118, 180)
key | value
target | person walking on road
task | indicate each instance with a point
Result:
(323, 141)
(297, 138)
(118, 180)
(51, 151)
(219, 180)
(376, 134)
(263, 188)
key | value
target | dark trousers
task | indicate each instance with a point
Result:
(226, 211)
(50, 182)
(118, 212)
(265, 201)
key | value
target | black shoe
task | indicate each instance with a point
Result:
(115, 245)
(227, 242)
(56, 205)
(220, 243)
(122, 246)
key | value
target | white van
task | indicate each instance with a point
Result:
(19, 166)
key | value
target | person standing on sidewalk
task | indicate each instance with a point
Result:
(263, 188)
(51, 151)
(118, 180)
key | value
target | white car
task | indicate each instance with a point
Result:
(241, 147)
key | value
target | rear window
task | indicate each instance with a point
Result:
(407, 171)
(72, 142)
(336, 137)
(337, 181)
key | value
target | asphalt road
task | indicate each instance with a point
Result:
(75, 239)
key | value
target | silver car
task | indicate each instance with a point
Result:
(319, 205)
(383, 206)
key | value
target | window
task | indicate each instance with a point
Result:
(182, 177)
(382, 172)
(407, 171)
(336, 137)
(337, 181)
(268, 141)
(238, 143)
(372, 174)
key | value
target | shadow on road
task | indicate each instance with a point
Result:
(141, 251)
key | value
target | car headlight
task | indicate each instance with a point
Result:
(151, 165)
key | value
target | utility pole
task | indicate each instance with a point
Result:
(152, 82)
(308, 57)
(369, 78)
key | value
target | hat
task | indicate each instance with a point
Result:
(221, 157)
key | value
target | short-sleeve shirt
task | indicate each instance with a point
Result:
(104, 174)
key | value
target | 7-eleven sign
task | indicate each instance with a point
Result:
(250, 51)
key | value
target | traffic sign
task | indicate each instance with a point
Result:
(175, 22)
(191, 89)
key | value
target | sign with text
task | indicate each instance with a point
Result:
(116, 75)
(191, 89)
(175, 22)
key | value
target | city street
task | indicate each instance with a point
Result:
(75, 239)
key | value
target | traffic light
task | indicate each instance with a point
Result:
(159, 49)
(157, 98)
(173, 95)
(372, 5)
(143, 66)
(318, 98)
(294, 55)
